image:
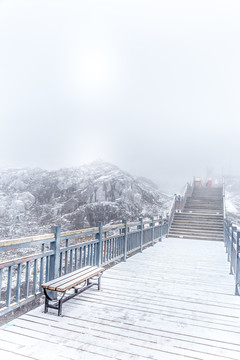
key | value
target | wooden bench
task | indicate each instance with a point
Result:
(70, 281)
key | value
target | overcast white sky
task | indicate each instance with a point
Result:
(152, 86)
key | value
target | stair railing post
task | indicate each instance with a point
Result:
(225, 232)
(232, 250)
(167, 225)
(152, 225)
(175, 202)
(228, 227)
(229, 240)
(141, 233)
(223, 196)
(100, 243)
(125, 231)
(237, 266)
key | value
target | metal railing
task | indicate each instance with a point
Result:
(232, 244)
(187, 193)
(172, 211)
(224, 198)
(62, 252)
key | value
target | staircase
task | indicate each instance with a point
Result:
(201, 217)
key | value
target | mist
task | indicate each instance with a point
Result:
(151, 86)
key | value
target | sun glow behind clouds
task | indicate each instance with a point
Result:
(93, 72)
(94, 67)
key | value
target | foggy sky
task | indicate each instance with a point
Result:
(151, 86)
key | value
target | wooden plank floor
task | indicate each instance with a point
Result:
(173, 301)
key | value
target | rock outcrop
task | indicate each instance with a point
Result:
(31, 200)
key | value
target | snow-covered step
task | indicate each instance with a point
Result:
(202, 216)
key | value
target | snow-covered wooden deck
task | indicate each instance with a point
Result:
(173, 301)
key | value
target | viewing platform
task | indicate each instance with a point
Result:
(175, 300)
(168, 289)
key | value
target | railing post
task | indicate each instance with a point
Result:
(223, 195)
(141, 234)
(161, 224)
(152, 224)
(178, 203)
(125, 230)
(0, 284)
(225, 232)
(237, 266)
(9, 286)
(99, 237)
(232, 249)
(228, 240)
(167, 225)
(55, 258)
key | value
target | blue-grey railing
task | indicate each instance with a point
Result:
(232, 244)
(62, 252)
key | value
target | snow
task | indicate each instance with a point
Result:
(230, 206)
(232, 198)
(32, 200)
(175, 300)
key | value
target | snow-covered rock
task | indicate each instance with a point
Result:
(232, 198)
(31, 200)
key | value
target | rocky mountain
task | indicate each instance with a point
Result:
(31, 200)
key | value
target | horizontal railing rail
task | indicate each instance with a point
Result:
(59, 253)
(232, 244)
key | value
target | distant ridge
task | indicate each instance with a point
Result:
(31, 200)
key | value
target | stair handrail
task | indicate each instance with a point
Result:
(223, 195)
(172, 211)
(186, 193)
(178, 202)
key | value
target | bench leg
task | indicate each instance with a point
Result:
(60, 307)
(60, 303)
(46, 305)
(46, 301)
(99, 282)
